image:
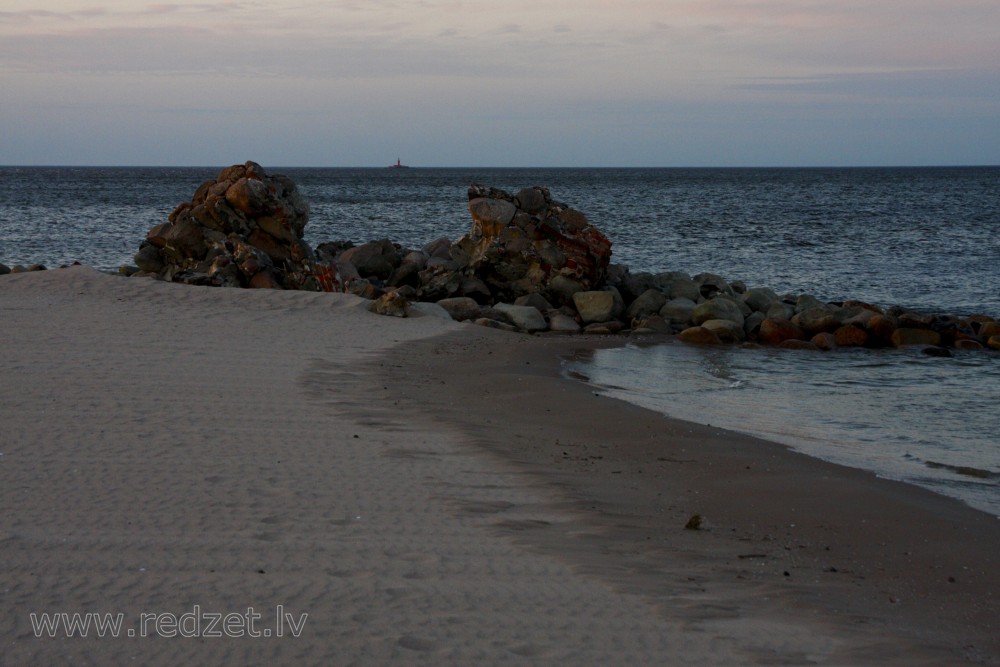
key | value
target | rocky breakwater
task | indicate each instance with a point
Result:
(529, 263)
(243, 229)
(706, 309)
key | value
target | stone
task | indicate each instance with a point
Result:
(649, 302)
(906, 336)
(717, 309)
(699, 336)
(532, 200)
(652, 323)
(375, 258)
(993, 343)
(881, 328)
(678, 311)
(710, 284)
(391, 304)
(759, 299)
(535, 301)
(563, 288)
(264, 280)
(850, 336)
(490, 215)
(968, 344)
(989, 329)
(4, 269)
(596, 306)
(430, 310)
(495, 324)
(148, 258)
(780, 310)
(685, 289)
(774, 331)
(751, 325)
(816, 320)
(562, 323)
(727, 331)
(604, 328)
(807, 301)
(911, 320)
(460, 308)
(527, 318)
(243, 207)
(824, 341)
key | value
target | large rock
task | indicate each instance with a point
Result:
(905, 336)
(205, 241)
(728, 331)
(461, 308)
(699, 336)
(601, 306)
(527, 244)
(647, 303)
(527, 318)
(717, 309)
(678, 311)
(774, 331)
(759, 299)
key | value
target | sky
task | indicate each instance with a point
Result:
(515, 83)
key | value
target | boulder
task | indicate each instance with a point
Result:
(600, 306)
(652, 324)
(816, 320)
(807, 301)
(727, 331)
(906, 336)
(881, 327)
(685, 288)
(460, 308)
(4, 269)
(391, 304)
(205, 241)
(562, 323)
(699, 336)
(373, 259)
(495, 324)
(535, 301)
(993, 342)
(824, 341)
(774, 331)
(968, 344)
(989, 329)
(780, 310)
(430, 310)
(710, 285)
(649, 302)
(527, 318)
(759, 299)
(516, 251)
(751, 325)
(850, 336)
(678, 311)
(717, 309)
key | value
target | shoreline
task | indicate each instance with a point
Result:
(400, 481)
(874, 560)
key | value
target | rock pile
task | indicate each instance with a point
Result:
(243, 229)
(528, 264)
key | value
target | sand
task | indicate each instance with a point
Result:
(426, 492)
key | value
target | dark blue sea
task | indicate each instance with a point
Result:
(924, 238)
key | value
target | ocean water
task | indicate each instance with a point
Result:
(924, 238)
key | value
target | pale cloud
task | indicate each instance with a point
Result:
(566, 67)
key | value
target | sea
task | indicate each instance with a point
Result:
(923, 238)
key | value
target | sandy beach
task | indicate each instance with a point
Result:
(417, 491)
